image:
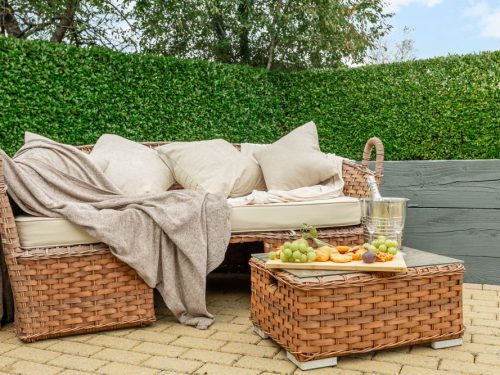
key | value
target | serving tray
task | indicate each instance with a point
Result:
(397, 264)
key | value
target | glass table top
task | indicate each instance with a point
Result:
(413, 258)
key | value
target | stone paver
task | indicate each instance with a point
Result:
(159, 349)
(178, 365)
(115, 368)
(75, 372)
(210, 356)
(113, 342)
(468, 368)
(33, 354)
(364, 365)
(253, 350)
(265, 364)
(197, 343)
(31, 368)
(180, 330)
(124, 356)
(211, 369)
(230, 347)
(246, 338)
(328, 371)
(77, 363)
(75, 348)
(405, 359)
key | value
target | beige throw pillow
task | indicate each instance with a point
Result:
(215, 166)
(295, 160)
(133, 168)
(250, 149)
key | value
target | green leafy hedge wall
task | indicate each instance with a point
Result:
(442, 108)
(445, 108)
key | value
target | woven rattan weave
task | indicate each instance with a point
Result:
(331, 316)
(66, 290)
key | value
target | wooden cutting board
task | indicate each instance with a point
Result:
(396, 265)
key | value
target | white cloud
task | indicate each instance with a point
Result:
(477, 9)
(488, 19)
(395, 5)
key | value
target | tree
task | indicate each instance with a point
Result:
(273, 34)
(279, 34)
(95, 22)
(386, 52)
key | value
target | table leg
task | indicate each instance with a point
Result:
(314, 364)
(260, 332)
(447, 343)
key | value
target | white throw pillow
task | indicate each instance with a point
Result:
(133, 168)
(295, 160)
(215, 166)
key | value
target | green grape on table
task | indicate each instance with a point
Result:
(303, 248)
(391, 243)
(287, 245)
(302, 241)
(294, 246)
(382, 248)
(392, 250)
(283, 257)
(311, 256)
(272, 255)
(297, 254)
(303, 258)
(367, 246)
(287, 252)
(377, 243)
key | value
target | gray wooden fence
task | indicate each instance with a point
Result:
(454, 210)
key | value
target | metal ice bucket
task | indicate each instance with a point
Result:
(383, 217)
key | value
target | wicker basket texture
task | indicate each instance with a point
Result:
(334, 316)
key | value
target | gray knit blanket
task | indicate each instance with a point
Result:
(172, 239)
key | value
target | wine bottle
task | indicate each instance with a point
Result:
(374, 188)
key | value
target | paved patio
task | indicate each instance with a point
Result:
(230, 346)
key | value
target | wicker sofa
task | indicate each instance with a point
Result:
(62, 290)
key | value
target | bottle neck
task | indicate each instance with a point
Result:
(374, 188)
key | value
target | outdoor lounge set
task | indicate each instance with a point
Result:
(65, 281)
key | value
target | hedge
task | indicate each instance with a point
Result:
(444, 108)
(74, 95)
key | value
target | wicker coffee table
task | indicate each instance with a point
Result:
(318, 316)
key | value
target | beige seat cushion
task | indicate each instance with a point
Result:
(342, 211)
(295, 160)
(215, 166)
(47, 231)
(133, 168)
(337, 212)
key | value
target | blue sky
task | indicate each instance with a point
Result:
(442, 27)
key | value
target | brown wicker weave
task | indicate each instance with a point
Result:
(68, 290)
(61, 291)
(334, 316)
